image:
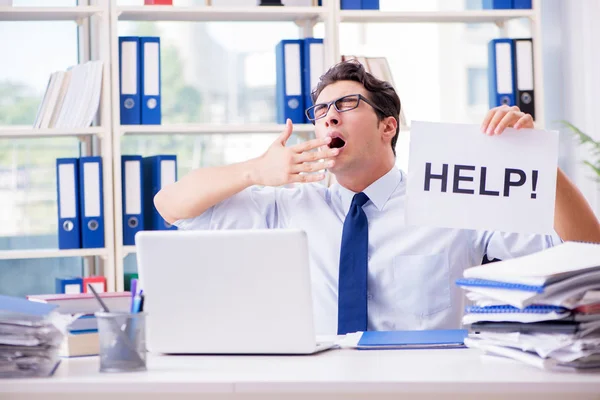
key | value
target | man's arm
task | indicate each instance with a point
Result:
(203, 188)
(574, 219)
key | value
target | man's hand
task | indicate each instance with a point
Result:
(281, 165)
(500, 118)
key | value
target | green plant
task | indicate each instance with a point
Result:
(593, 145)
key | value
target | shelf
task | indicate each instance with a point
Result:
(22, 132)
(211, 129)
(47, 13)
(213, 14)
(49, 253)
(477, 16)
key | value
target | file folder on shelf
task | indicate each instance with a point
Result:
(523, 61)
(97, 282)
(501, 72)
(522, 4)
(313, 66)
(290, 101)
(159, 171)
(497, 4)
(350, 4)
(67, 187)
(92, 202)
(69, 285)
(129, 78)
(150, 80)
(370, 4)
(132, 189)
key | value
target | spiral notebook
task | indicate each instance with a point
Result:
(507, 313)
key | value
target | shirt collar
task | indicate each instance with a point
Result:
(379, 191)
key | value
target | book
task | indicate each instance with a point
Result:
(80, 344)
(424, 339)
(85, 303)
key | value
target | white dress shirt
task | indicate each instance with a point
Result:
(412, 270)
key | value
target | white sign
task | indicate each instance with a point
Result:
(459, 177)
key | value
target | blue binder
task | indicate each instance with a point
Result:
(91, 198)
(313, 66)
(350, 4)
(21, 307)
(129, 80)
(67, 188)
(497, 4)
(522, 4)
(71, 285)
(501, 72)
(290, 101)
(443, 338)
(158, 171)
(132, 188)
(370, 4)
(150, 80)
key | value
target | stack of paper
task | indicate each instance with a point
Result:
(30, 336)
(542, 309)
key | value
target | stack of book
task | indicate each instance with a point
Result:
(30, 337)
(81, 338)
(542, 309)
(72, 97)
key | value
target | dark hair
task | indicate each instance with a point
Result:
(380, 92)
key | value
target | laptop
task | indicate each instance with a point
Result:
(227, 292)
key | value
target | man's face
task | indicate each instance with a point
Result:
(357, 131)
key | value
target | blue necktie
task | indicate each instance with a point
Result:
(352, 283)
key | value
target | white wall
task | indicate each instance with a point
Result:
(571, 35)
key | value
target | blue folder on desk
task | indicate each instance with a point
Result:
(428, 339)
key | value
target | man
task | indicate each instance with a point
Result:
(386, 276)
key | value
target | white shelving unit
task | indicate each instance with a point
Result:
(305, 17)
(52, 253)
(215, 14)
(49, 13)
(106, 16)
(93, 22)
(17, 132)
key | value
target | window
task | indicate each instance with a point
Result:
(477, 86)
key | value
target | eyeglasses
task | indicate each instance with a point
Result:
(343, 104)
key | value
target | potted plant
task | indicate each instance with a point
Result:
(594, 146)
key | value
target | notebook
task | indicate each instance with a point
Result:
(425, 339)
(544, 267)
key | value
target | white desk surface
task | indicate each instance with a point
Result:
(335, 374)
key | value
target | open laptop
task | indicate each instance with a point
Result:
(227, 292)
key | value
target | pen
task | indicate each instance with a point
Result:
(104, 307)
(133, 294)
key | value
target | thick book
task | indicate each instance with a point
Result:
(80, 344)
(85, 303)
(425, 339)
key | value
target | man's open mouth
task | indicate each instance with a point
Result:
(336, 143)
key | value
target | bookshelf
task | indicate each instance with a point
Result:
(305, 17)
(78, 13)
(100, 21)
(92, 22)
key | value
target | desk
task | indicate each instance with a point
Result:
(336, 374)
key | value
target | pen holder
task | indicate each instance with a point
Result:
(122, 341)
